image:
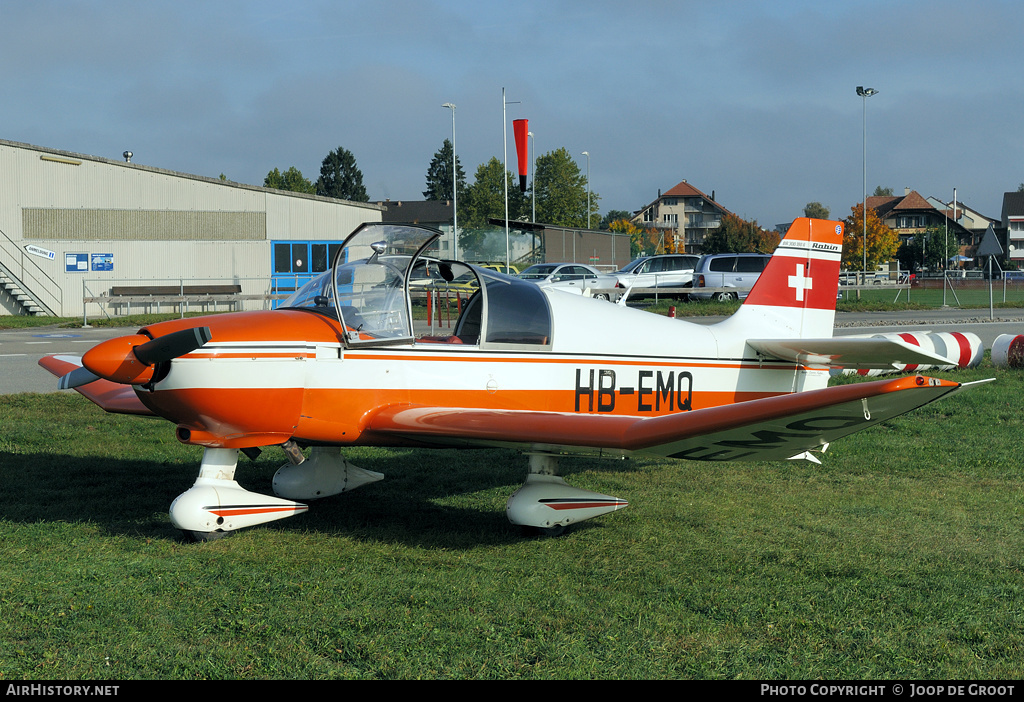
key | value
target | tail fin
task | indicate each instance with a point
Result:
(795, 296)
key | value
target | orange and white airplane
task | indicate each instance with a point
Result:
(547, 372)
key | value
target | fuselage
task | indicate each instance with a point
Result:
(266, 377)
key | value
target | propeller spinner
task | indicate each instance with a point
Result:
(131, 359)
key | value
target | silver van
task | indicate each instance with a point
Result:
(727, 270)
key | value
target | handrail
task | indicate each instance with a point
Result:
(30, 280)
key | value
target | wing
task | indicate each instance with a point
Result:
(774, 428)
(849, 352)
(111, 397)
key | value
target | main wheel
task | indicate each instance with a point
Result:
(725, 296)
(547, 532)
(204, 536)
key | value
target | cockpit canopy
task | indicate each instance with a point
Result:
(384, 272)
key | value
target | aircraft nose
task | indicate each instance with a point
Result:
(131, 359)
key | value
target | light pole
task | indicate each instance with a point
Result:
(455, 189)
(865, 93)
(587, 154)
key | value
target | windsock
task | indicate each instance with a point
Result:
(520, 129)
(1008, 351)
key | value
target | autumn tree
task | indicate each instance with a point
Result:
(735, 235)
(882, 242)
(614, 216)
(341, 178)
(291, 180)
(641, 241)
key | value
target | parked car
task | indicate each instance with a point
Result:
(575, 277)
(427, 276)
(728, 270)
(1014, 276)
(500, 267)
(661, 271)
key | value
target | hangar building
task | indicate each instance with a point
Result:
(76, 227)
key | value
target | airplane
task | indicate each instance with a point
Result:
(340, 364)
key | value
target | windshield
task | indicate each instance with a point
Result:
(633, 265)
(538, 271)
(367, 290)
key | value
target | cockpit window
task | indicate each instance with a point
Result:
(517, 313)
(383, 271)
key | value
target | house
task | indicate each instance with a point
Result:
(911, 214)
(968, 218)
(1013, 224)
(684, 215)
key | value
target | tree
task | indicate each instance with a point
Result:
(485, 198)
(928, 249)
(439, 175)
(291, 180)
(882, 242)
(641, 241)
(614, 216)
(341, 178)
(735, 235)
(816, 210)
(562, 191)
(882, 192)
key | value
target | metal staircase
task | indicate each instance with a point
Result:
(32, 290)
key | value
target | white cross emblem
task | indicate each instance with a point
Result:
(800, 283)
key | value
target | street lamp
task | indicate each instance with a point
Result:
(587, 154)
(455, 189)
(865, 93)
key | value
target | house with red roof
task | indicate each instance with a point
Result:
(911, 214)
(684, 215)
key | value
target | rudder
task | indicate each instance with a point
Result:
(796, 293)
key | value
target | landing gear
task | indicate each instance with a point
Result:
(547, 505)
(216, 505)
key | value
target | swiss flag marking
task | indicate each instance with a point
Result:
(799, 282)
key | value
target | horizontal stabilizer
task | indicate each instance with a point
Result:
(111, 397)
(848, 352)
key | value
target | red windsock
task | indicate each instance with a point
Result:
(520, 129)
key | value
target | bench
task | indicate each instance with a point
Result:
(175, 295)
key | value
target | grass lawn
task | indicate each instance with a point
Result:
(900, 558)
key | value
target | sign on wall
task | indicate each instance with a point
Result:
(76, 262)
(103, 262)
(41, 252)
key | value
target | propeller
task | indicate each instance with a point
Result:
(77, 377)
(169, 346)
(130, 359)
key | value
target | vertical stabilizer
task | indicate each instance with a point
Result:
(795, 296)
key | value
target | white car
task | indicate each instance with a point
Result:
(574, 277)
(661, 271)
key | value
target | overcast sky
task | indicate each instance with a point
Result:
(755, 101)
